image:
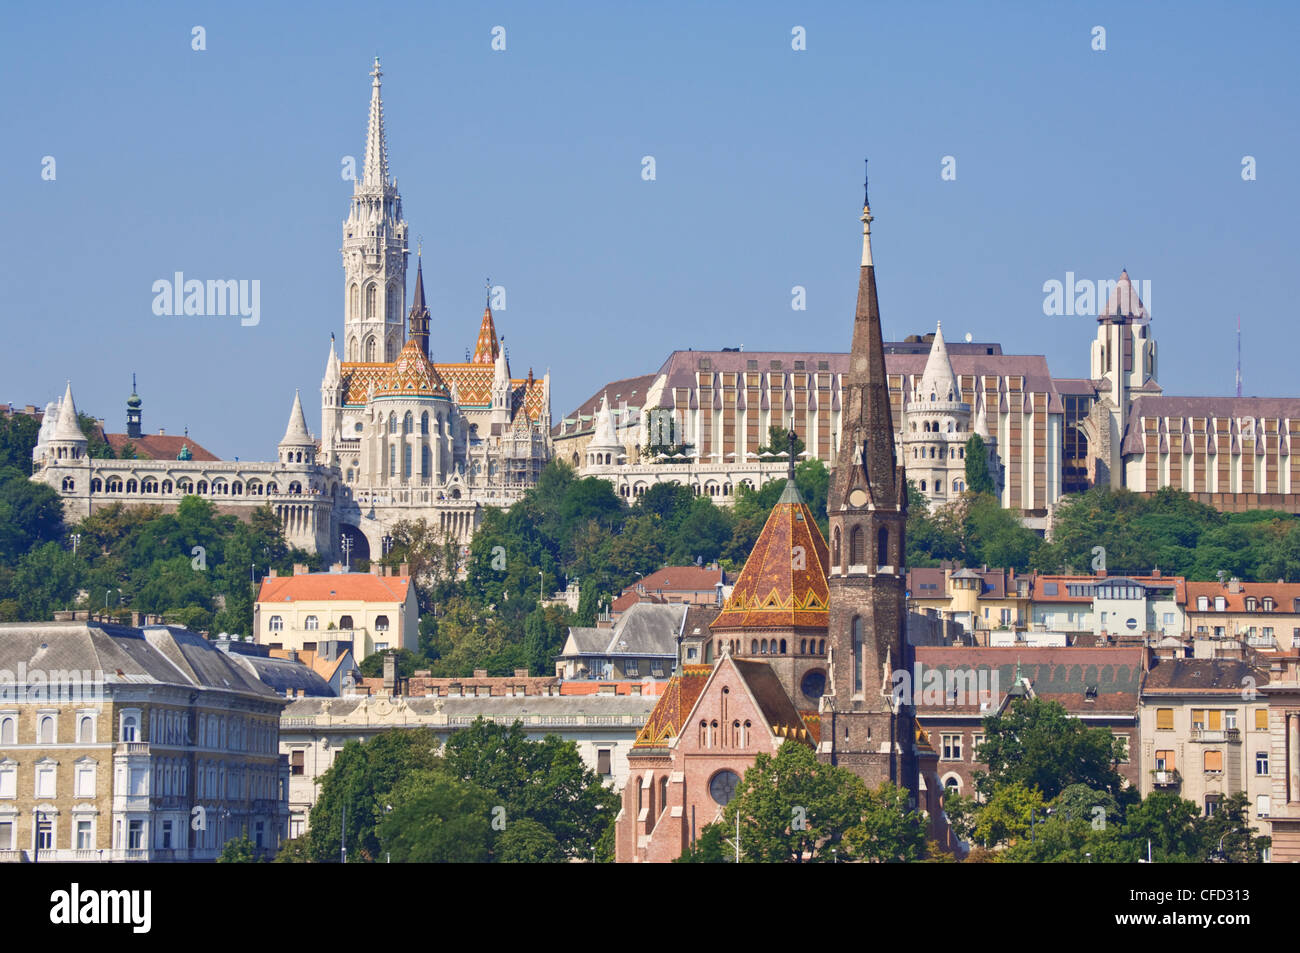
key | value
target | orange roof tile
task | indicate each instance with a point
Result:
(675, 703)
(334, 586)
(1283, 595)
(487, 347)
(784, 582)
(412, 375)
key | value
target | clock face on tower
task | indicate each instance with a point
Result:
(722, 788)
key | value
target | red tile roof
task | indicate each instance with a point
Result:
(675, 703)
(154, 446)
(1283, 594)
(334, 586)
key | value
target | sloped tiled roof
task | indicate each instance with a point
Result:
(334, 586)
(1217, 676)
(779, 713)
(487, 347)
(154, 446)
(411, 375)
(783, 583)
(1283, 595)
(676, 702)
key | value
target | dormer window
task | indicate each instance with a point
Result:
(1220, 603)
(1251, 604)
(1268, 603)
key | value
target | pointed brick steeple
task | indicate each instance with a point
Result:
(863, 728)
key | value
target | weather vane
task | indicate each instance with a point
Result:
(865, 179)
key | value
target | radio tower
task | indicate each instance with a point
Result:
(1238, 355)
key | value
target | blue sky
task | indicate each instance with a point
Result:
(525, 166)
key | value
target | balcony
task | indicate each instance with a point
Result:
(1168, 778)
(132, 747)
(1217, 735)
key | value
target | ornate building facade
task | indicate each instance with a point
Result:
(403, 438)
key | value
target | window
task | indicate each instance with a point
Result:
(952, 748)
(8, 730)
(1211, 805)
(1202, 603)
(1220, 603)
(46, 733)
(632, 668)
(381, 646)
(1214, 762)
(1164, 719)
(1198, 718)
(1261, 719)
(130, 726)
(1261, 805)
(6, 835)
(297, 762)
(45, 780)
(1215, 719)
(857, 547)
(1123, 742)
(276, 624)
(603, 762)
(9, 779)
(134, 835)
(1261, 762)
(85, 835)
(1165, 760)
(976, 741)
(44, 833)
(857, 655)
(381, 623)
(312, 623)
(85, 780)
(86, 730)
(167, 835)
(1230, 719)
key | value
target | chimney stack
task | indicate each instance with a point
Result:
(299, 569)
(390, 672)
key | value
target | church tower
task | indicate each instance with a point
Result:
(134, 429)
(863, 729)
(374, 251)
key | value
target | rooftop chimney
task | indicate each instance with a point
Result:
(521, 673)
(404, 569)
(1234, 585)
(299, 569)
(480, 673)
(390, 673)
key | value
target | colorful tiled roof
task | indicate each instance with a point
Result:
(675, 703)
(783, 583)
(472, 382)
(412, 375)
(488, 347)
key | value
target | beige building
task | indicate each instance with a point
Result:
(314, 730)
(371, 611)
(125, 744)
(981, 600)
(1205, 733)
(1283, 695)
(1264, 616)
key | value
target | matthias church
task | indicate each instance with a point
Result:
(402, 436)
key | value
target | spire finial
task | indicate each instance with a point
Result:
(866, 220)
(792, 437)
(866, 200)
(133, 382)
(487, 291)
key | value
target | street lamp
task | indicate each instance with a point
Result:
(76, 541)
(345, 543)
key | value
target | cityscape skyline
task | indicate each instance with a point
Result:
(755, 192)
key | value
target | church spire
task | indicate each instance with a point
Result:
(376, 168)
(419, 317)
(487, 349)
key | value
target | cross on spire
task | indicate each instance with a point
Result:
(790, 463)
(866, 201)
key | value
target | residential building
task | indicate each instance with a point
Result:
(1143, 608)
(981, 600)
(1206, 733)
(1263, 616)
(373, 612)
(134, 744)
(1282, 695)
(643, 644)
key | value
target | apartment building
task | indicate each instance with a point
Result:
(371, 611)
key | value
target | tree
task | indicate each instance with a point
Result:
(297, 850)
(889, 831)
(1037, 744)
(238, 850)
(432, 818)
(527, 842)
(18, 434)
(97, 447)
(711, 847)
(794, 808)
(1227, 834)
(978, 477)
(372, 666)
(1009, 814)
(352, 786)
(544, 781)
(778, 444)
(30, 514)
(961, 810)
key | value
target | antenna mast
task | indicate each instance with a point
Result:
(1238, 355)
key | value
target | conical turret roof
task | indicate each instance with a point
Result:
(67, 428)
(938, 380)
(784, 582)
(487, 349)
(296, 433)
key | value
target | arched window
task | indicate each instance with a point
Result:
(96, 485)
(312, 623)
(857, 547)
(354, 353)
(932, 453)
(424, 423)
(835, 550)
(131, 486)
(857, 654)
(882, 547)
(821, 650)
(737, 739)
(753, 647)
(922, 486)
(86, 730)
(426, 462)
(370, 349)
(762, 647)
(276, 624)
(950, 426)
(69, 484)
(8, 731)
(166, 486)
(704, 735)
(354, 310)
(407, 423)
(391, 300)
(345, 622)
(783, 646)
(381, 623)
(406, 461)
(372, 298)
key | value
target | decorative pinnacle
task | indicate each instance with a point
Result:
(790, 462)
(866, 200)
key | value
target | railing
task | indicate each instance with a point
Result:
(1166, 778)
(133, 747)
(1217, 735)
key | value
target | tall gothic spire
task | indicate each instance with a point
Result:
(419, 317)
(376, 169)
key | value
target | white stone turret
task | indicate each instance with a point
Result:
(938, 382)
(501, 389)
(604, 448)
(67, 442)
(331, 405)
(374, 251)
(297, 445)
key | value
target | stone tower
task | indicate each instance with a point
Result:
(863, 729)
(374, 251)
(134, 428)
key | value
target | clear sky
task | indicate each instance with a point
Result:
(525, 165)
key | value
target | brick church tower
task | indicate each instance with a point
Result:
(862, 728)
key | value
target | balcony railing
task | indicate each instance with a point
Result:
(1166, 778)
(1217, 735)
(133, 747)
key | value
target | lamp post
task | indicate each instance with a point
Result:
(76, 541)
(345, 543)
